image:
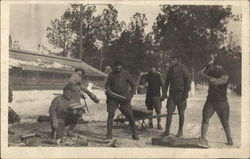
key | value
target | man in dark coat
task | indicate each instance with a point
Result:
(217, 78)
(179, 80)
(119, 82)
(153, 96)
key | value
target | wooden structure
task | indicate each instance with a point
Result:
(34, 71)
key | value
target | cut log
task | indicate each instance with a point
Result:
(23, 137)
(178, 142)
(43, 118)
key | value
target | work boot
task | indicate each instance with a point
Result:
(159, 127)
(179, 134)
(150, 125)
(108, 137)
(228, 135)
(109, 129)
(166, 133)
(71, 134)
(168, 124)
(135, 137)
(230, 142)
(203, 142)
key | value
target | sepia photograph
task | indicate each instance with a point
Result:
(116, 75)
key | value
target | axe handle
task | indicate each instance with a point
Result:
(102, 89)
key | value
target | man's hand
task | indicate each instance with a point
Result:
(108, 91)
(130, 97)
(163, 97)
(185, 95)
(54, 123)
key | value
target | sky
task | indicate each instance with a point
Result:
(28, 22)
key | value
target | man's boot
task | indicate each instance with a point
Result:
(150, 123)
(109, 129)
(70, 130)
(202, 139)
(181, 123)
(228, 135)
(133, 128)
(168, 124)
(159, 127)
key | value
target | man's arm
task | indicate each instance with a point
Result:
(166, 85)
(52, 109)
(132, 84)
(107, 84)
(216, 81)
(143, 78)
(187, 78)
(52, 113)
(161, 83)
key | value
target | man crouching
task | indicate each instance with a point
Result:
(62, 115)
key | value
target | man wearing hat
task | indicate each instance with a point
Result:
(76, 79)
(217, 78)
(118, 82)
(179, 80)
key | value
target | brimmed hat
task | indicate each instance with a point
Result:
(175, 56)
(80, 69)
(116, 63)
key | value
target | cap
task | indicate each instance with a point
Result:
(80, 69)
(116, 63)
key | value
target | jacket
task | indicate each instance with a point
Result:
(178, 77)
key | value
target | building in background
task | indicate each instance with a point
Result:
(33, 71)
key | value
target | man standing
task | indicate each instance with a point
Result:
(60, 115)
(118, 82)
(153, 95)
(216, 99)
(179, 79)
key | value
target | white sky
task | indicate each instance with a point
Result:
(28, 22)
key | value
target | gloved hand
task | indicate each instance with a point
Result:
(54, 123)
(185, 95)
(163, 97)
(130, 97)
(179, 98)
(108, 91)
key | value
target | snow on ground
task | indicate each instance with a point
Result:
(30, 104)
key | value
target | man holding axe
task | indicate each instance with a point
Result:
(217, 77)
(119, 96)
(78, 93)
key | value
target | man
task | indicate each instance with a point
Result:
(216, 99)
(60, 113)
(118, 82)
(76, 79)
(153, 95)
(179, 79)
(13, 117)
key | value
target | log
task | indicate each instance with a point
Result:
(43, 118)
(26, 136)
(178, 142)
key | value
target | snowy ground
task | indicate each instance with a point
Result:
(30, 104)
